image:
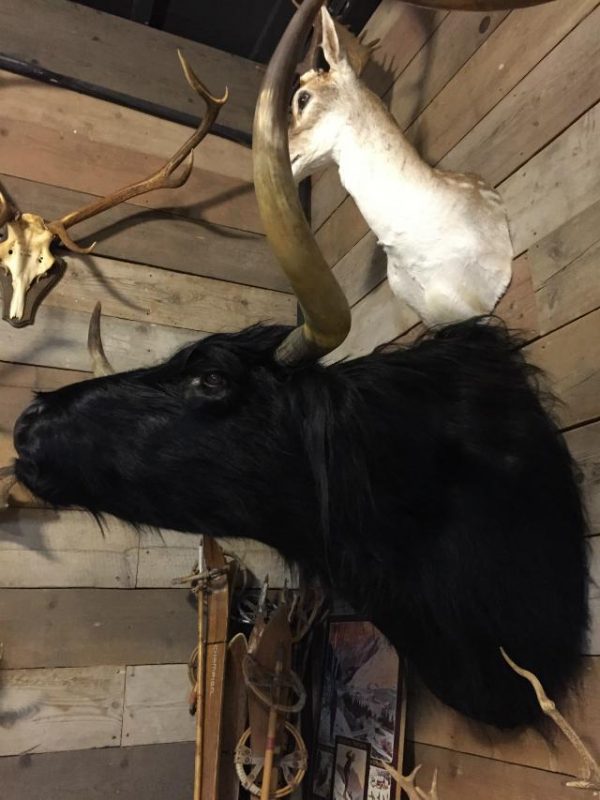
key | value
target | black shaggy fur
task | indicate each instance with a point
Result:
(427, 485)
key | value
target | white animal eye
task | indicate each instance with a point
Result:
(303, 98)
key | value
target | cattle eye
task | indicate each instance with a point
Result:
(213, 381)
(210, 382)
(303, 99)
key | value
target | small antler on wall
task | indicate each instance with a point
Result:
(590, 777)
(29, 269)
(476, 5)
(408, 782)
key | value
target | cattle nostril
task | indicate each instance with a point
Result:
(24, 424)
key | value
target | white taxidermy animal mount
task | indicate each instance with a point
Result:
(446, 236)
(28, 267)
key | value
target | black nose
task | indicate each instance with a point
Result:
(25, 426)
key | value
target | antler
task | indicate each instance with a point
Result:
(325, 308)
(408, 782)
(590, 778)
(476, 5)
(164, 178)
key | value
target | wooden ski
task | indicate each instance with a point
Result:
(235, 716)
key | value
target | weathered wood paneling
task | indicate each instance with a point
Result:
(565, 270)
(67, 548)
(341, 231)
(37, 378)
(538, 109)
(362, 268)
(452, 44)
(571, 358)
(140, 293)
(59, 337)
(515, 48)
(402, 33)
(156, 706)
(465, 777)
(84, 627)
(584, 444)
(103, 122)
(47, 710)
(149, 236)
(50, 135)
(432, 723)
(566, 243)
(131, 63)
(556, 184)
(44, 548)
(572, 292)
(152, 772)
(378, 318)
(518, 307)
(167, 555)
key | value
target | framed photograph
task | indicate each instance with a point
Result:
(380, 784)
(322, 774)
(363, 697)
(351, 770)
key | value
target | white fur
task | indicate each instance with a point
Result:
(445, 235)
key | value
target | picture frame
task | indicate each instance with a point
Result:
(351, 763)
(322, 773)
(362, 699)
(381, 784)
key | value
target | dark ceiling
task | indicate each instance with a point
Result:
(248, 28)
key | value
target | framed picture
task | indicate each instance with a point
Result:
(362, 698)
(322, 773)
(351, 770)
(380, 784)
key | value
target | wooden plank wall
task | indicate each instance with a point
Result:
(93, 685)
(514, 96)
(116, 59)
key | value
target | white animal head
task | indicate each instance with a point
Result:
(320, 106)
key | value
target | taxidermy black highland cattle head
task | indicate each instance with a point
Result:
(427, 485)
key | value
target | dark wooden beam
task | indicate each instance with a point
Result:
(125, 62)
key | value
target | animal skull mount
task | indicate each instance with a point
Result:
(29, 269)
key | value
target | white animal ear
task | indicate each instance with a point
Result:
(331, 43)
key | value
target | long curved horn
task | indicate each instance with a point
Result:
(101, 366)
(326, 310)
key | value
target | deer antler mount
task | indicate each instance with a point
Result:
(28, 267)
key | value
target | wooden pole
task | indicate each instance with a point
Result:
(199, 699)
(265, 792)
